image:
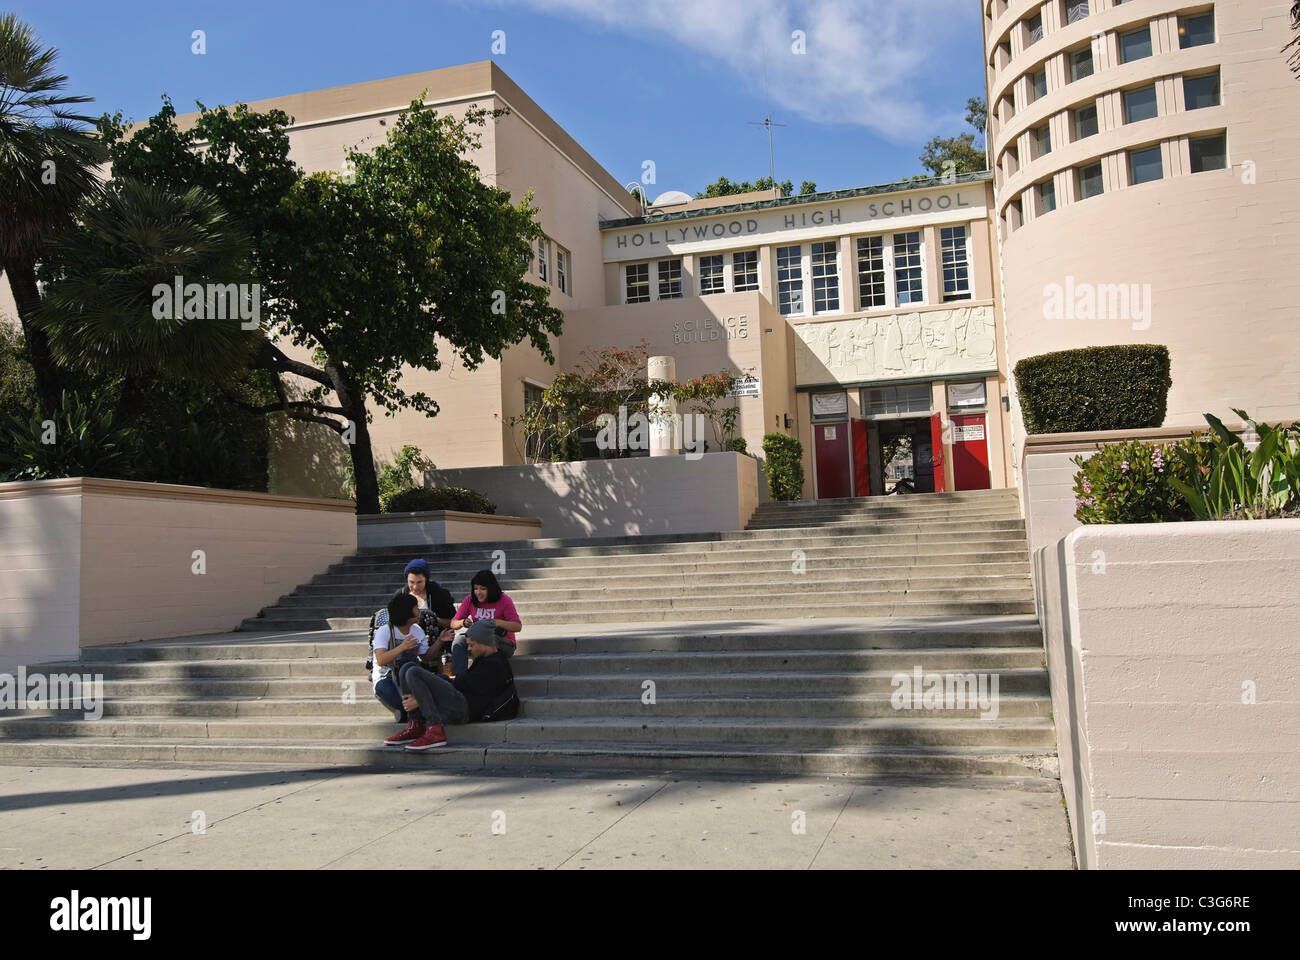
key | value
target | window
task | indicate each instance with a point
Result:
(1083, 120)
(1042, 141)
(1015, 215)
(637, 282)
(1075, 10)
(1140, 104)
(1200, 92)
(1145, 165)
(1012, 159)
(1089, 182)
(1038, 84)
(1135, 44)
(909, 286)
(1033, 29)
(1208, 153)
(711, 278)
(562, 269)
(1046, 196)
(789, 280)
(966, 395)
(871, 272)
(744, 270)
(670, 279)
(1004, 54)
(534, 447)
(1081, 63)
(883, 401)
(826, 276)
(954, 259)
(544, 260)
(1195, 31)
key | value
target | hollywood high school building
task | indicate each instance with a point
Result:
(860, 314)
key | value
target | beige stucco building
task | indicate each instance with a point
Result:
(1147, 190)
(860, 313)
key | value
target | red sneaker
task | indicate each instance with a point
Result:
(413, 731)
(435, 736)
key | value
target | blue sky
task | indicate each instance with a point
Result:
(673, 81)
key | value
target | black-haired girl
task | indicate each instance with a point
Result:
(486, 601)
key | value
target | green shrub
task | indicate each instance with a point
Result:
(436, 498)
(83, 441)
(784, 466)
(1123, 387)
(1226, 481)
(736, 445)
(1133, 482)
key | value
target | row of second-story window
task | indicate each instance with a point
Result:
(1138, 103)
(890, 273)
(1142, 165)
(563, 265)
(1194, 30)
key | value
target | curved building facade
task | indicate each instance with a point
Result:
(1147, 190)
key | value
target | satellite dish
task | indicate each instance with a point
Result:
(671, 198)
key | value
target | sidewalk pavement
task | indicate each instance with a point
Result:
(148, 818)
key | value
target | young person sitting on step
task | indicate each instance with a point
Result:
(433, 700)
(395, 646)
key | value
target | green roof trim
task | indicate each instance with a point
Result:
(982, 176)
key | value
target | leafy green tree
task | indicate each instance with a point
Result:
(722, 187)
(48, 157)
(366, 272)
(963, 151)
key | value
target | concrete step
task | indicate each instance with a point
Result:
(509, 758)
(1013, 631)
(1018, 681)
(364, 707)
(934, 730)
(863, 584)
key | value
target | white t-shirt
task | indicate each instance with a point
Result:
(384, 635)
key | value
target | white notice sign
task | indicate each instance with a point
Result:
(971, 431)
(830, 433)
(748, 387)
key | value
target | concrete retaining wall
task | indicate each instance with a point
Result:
(1176, 691)
(88, 561)
(641, 495)
(443, 526)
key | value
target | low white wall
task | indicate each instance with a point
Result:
(89, 561)
(443, 526)
(641, 495)
(1176, 692)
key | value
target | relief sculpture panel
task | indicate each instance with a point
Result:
(902, 345)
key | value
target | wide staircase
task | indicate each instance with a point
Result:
(776, 650)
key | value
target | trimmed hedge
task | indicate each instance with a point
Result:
(436, 498)
(784, 466)
(1123, 387)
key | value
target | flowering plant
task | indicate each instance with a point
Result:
(1133, 482)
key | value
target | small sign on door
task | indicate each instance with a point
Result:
(830, 432)
(970, 431)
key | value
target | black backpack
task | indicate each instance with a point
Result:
(505, 706)
(378, 619)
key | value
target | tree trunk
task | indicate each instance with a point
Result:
(22, 280)
(353, 400)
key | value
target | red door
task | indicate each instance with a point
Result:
(832, 451)
(970, 452)
(861, 476)
(936, 452)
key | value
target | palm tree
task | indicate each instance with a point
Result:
(99, 304)
(48, 160)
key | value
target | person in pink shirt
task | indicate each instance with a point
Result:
(486, 601)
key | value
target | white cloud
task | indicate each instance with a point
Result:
(864, 62)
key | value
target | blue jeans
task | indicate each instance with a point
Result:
(386, 692)
(460, 653)
(439, 701)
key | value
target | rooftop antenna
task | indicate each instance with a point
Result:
(771, 162)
